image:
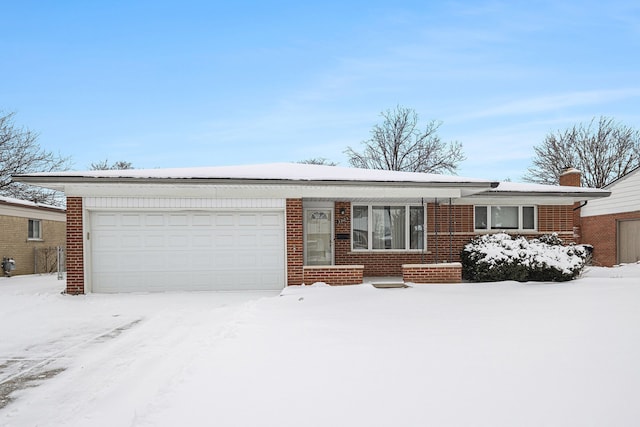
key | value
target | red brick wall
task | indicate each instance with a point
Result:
(572, 178)
(434, 273)
(446, 248)
(75, 241)
(334, 275)
(295, 246)
(555, 218)
(601, 231)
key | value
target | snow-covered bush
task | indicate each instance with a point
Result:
(495, 257)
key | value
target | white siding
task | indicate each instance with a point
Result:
(625, 197)
(180, 203)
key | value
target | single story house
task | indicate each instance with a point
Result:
(267, 226)
(30, 232)
(612, 225)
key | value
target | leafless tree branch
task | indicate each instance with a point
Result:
(602, 150)
(21, 154)
(398, 144)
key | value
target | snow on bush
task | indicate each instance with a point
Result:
(496, 257)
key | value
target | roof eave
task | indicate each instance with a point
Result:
(60, 181)
(580, 195)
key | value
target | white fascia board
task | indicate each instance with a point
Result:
(512, 200)
(258, 191)
(32, 213)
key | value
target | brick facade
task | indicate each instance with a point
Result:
(454, 225)
(432, 273)
(601, 231)
(75, 246)
(442, 246)
(334, 274)
(295, 242)
(572, 178)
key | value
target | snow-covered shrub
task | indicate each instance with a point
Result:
(495, 257)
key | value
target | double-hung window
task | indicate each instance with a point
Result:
(505, 217)
(35, 230)
(387, 227)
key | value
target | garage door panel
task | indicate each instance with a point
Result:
(154, 220)
(132, 220)
(629, 241)
(248, 220)
(159, 251)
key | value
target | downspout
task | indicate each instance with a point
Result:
(450, 231)
(424, 231)
(436, 227)
(581, 206)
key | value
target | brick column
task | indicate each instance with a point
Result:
(75, 246)
(571, 177)
(295, 259)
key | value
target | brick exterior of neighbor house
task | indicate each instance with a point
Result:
(601, 232)
(31, 255)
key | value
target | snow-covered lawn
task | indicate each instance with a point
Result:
(499, 354)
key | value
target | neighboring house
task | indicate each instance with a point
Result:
(27, 227)
(612, 225)
(265, 226)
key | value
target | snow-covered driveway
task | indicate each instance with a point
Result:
(499, 354)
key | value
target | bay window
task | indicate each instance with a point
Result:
(505, 218)
(387, 227)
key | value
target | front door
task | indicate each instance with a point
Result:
(318, 241)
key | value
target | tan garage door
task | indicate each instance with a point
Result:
(629, 241)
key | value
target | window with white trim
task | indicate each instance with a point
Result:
(35, 229)
(505, 217)
(387, 227)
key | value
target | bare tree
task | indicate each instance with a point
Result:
(602, 150)
(21, 154)
(104, 165)
(319, 161)
(398, 144)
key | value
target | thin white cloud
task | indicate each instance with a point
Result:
(552, 103)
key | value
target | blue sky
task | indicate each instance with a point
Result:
(205, 83)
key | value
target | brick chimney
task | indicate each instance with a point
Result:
(571, 177)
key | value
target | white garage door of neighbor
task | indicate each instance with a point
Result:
(166, 251)
(628, 241)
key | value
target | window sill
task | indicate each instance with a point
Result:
(35, 240)
(389, 251)
(504, 230)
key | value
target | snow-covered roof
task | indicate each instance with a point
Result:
(267, 172)
(507, 188)
(28, 204)
(303, 174)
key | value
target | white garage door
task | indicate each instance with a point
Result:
(628, 241)
(160, 251)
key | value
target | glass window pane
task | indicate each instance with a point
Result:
(360, 225)
(528, 218)
(388, 227)
(504, 217)
(481, 218)
(416, 222)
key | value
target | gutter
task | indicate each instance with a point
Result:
(43, 180)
